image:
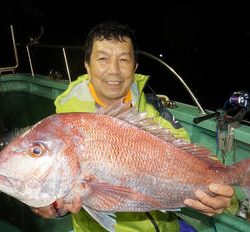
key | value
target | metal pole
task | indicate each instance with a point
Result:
(7, 69)
(14, 45)
(179, 78)
(66, 63)
(30, 62)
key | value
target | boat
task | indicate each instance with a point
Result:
(225, 132)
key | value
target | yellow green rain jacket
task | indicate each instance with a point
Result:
(77, 98)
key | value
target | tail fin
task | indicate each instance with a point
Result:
(240, 175)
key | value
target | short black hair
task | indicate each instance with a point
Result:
(109, 30)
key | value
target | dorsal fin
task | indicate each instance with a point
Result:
(125, 112)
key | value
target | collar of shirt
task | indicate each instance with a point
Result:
(128, 97)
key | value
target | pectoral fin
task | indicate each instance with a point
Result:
(106, 220)
(170, 209)
(114, 195)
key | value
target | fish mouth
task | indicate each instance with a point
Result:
(11, 186)
(7, 185)
(5, 182)
(20, 190)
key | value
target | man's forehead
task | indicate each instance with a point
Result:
(112, 38)
(124, 40)
(99, 45)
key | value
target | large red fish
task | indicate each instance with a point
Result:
(117, 160)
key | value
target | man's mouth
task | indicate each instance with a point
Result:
(113, 82)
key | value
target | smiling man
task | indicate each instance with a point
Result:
(111, 71)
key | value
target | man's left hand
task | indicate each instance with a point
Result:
(211, 205)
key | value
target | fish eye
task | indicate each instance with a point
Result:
(36, 150)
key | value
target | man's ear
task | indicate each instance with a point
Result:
(88, 69)
(86, 65)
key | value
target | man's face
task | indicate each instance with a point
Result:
(111, 68)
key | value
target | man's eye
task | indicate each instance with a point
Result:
(102, 58)
(124, 60)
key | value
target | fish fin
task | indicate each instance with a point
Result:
(245, 200)
(172, 210)
(115, 194)
(125, 112)
(115, 109)
(246, 190)
(201, 153)
(239, 175)
(105, 219)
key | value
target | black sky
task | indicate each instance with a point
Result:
(207, 44)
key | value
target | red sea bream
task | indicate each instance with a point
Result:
(116, 159)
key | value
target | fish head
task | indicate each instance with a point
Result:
(33, 167)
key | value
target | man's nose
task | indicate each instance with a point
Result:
(114, 66)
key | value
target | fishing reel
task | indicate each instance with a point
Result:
(235, 109)
(238, 105)
(240, 98)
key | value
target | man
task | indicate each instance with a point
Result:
(111, 63)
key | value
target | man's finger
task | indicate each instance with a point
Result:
(223, 190)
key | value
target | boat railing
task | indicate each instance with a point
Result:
(60, 47)
(11, 68)
(65, 49)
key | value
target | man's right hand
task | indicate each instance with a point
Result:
(59, 208)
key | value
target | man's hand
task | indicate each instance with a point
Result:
(211, 205)
(59, 208)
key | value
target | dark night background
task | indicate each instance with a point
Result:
(207, 44)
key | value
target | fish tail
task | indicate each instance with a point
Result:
(240, 175)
